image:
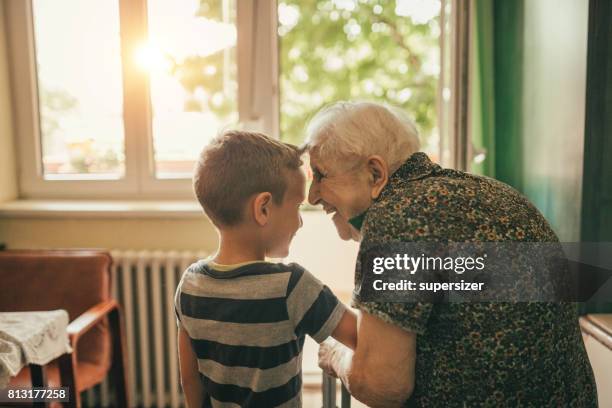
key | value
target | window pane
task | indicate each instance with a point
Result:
(191, 58)
(80, 93)
(380, 50)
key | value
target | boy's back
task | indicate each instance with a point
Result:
(242, 325)
(247, 325)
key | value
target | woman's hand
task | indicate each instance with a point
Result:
(326, 355)
(345, 230)
(334, 357)
(380, 372)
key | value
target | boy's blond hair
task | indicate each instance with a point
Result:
(237, 164)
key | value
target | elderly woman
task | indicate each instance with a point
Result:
(367, 170)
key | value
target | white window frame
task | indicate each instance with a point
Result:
(258, 98)
(257, 102)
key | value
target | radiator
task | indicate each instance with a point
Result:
(144, 283)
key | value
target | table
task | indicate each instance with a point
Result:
(34, 338)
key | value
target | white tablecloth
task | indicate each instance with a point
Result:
(31, 338)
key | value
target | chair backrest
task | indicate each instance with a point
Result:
(74, 280)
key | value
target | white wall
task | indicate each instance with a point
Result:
(601, 361)
(8, 176)
(554, 75)
(318, 248)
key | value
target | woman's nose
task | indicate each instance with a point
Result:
(313, 193)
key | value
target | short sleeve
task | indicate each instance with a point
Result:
(411, 317)
(312, 307)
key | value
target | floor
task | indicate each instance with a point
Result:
(314, 399)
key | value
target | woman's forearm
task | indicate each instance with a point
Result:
(361, 385)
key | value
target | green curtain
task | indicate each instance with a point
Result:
(496, 85)
(596, 222)
(497, 41)
(482, 90)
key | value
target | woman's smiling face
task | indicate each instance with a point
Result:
(344, 192)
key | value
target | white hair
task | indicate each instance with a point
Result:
(349, 130)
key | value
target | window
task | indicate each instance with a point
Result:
(115, 99)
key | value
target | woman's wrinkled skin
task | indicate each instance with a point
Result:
(346, 194)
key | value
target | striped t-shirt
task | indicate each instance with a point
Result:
(247, 328)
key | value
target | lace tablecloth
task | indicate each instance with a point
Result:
(31, 338)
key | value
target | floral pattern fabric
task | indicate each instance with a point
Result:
(476, 354)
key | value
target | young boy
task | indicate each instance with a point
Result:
(242, 320)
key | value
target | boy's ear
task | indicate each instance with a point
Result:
(261, 208)
(379, 174)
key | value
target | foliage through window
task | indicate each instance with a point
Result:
(381, 50)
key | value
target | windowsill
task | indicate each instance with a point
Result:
(106, 209)
(100, 209)
(598, 326)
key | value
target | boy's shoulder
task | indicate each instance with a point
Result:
(207, 267)
(202, 277)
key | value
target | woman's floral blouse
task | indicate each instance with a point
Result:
(477, 354)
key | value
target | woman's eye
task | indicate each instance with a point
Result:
(317, 175)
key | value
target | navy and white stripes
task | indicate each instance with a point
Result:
(248, 326)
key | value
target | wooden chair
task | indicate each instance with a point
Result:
(79, 282)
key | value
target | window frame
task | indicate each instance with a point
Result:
(257, 64)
